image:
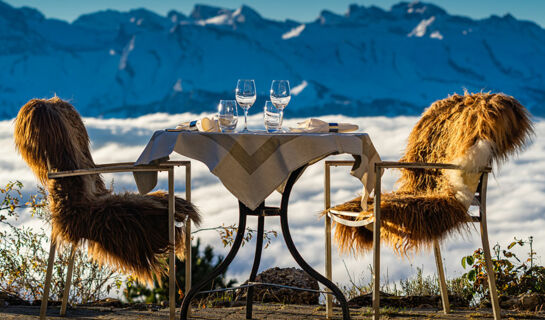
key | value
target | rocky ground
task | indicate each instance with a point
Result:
(281, 303)
(261, 311)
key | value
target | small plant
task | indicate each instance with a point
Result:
(513, 275)
(420, 285)
(227, 234)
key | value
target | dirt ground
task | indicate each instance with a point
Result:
(261, 311)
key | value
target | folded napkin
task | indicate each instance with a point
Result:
(205, 124)
(317, 126)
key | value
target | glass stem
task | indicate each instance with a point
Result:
(245, 119)
(281, 118)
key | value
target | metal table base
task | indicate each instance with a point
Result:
(261, 212)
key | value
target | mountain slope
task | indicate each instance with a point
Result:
(368, 61)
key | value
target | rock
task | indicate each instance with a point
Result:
(292, 277)
(531, 301)
(426, 302)
(140, 306)
(108, 302)
(525, 301)
(366, 300)
(508, 302)
(7, 299)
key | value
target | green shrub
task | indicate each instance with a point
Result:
(513, 275)
(24, 253)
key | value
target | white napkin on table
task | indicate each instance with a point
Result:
(205, 124)
(320, 126)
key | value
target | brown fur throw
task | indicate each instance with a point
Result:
(127, 231)
(473, 131)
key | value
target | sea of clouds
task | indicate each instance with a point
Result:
(516, 194)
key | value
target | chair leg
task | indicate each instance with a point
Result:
(48, 276)
(441, 276)
(188, 259)
(490, 273)
(188, 235)
(172, 239)
(68, 282)
(376, 247)
(486, 250)
(328, 270)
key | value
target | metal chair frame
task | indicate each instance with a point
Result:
(167, 166)
(480, 200)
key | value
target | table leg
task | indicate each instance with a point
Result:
(219, 269)
(296, 255)
(283, 213)
(255, 267)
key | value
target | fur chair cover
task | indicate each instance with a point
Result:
(127, 231)
(473, 131)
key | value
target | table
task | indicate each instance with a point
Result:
(251, 166)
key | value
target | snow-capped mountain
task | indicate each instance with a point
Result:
(368, 61)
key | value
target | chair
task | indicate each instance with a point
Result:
(130, 232)
(444, 171)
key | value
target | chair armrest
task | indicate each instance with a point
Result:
(163, 164)
(339, 163)
(423, 165)
(105, 165)
(404, 165)
(118, 167)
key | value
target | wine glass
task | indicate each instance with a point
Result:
(245, 95)
(280, 96)
(271, 117)
(227, 115)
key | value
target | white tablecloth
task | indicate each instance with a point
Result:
(252, 165)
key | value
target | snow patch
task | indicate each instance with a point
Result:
(295, 32)
(221, 19)
(415, 7)
(178, 86)
(125, 55)
(299, 88)
(420, 29)
(436, 35)
(417, 10)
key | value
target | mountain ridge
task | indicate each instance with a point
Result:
(369, 61)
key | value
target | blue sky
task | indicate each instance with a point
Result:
(301, 10)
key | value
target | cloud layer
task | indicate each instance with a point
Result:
(515, 195)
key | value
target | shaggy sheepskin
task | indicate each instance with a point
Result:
(471, 130)
(127, 231)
